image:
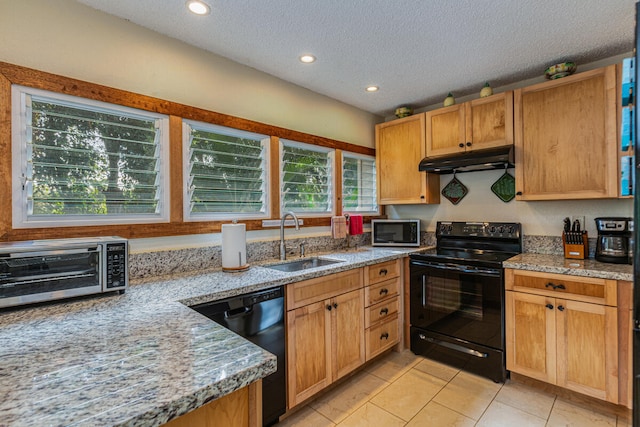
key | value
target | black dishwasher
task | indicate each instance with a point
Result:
(259, 317)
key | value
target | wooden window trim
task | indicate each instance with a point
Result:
(14, 74)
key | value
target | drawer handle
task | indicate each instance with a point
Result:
(561, 307)
(383, 272)
(384, 336)
(384, 291)
(549, 306)
(551, 285)
(384, 311)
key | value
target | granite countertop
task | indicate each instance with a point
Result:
(141, 358)
(577, 267)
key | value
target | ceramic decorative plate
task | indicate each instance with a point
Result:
(505, 187)
(454, 191)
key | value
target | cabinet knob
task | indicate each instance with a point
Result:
(561, 307)
(422, 197)
(468, 143)
(384, 311)
(461, 145)
(549, 306)
(384, 291)
(335, 305)
(329, 307)
(519, 193)
(384, 336)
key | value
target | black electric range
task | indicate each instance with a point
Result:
(457, 296)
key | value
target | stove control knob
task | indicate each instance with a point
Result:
(501, 229)
(492, 229)
(511, 230)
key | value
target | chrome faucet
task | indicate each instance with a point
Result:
(283, 247)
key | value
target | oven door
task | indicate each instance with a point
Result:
(50, 274)
(458, 301)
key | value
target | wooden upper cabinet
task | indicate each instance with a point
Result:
(400, 147)
(481, 123)
(566, 138)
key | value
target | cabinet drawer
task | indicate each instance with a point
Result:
(382, 337)
(309, 291)
(381, 291)
(381, 311)
(588, 289)
(383, 271)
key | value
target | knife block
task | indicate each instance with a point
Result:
(576, 244)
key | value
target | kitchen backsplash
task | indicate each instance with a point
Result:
(159, 263)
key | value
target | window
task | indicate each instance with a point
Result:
(359, 184)
(82, 162)
(306, 183)
(226, 172)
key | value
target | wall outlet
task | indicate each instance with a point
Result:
(580, 219)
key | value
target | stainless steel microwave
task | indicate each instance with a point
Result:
(395, 232)
(44, 270)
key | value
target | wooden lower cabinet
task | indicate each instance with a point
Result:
(325, 342)
(242, 408)
(569, 343)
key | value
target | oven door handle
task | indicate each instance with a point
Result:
(459, 268)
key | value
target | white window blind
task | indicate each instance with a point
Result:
(226, 172)
(306, 178)
(81, 162)
(359, 184)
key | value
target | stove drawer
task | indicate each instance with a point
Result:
(381, 311)
(587, 289)
(382, 337)
(383, 271)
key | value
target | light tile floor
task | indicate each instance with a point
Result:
(402, 389)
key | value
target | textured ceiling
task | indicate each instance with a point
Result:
(415, 50)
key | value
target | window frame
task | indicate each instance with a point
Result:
(11, 74)
(331, 154)
(20, 159)
(347, 154)
(188, 216)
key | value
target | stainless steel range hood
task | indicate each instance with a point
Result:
(476, 160)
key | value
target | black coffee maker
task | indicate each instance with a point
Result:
(615, 240)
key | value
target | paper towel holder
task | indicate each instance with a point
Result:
(229, 255)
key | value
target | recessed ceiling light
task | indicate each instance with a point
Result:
(198, 7)
(307, 59)
(372, 88)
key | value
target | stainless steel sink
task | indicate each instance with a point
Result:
(303, 264)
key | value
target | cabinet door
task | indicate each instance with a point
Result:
(308, 351)
(565, 138)
(347, 332)
(531, 335)
(587, 345)
(489, 121)
(445, 131)
(399, 149)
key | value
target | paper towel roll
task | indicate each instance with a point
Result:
(234, 247)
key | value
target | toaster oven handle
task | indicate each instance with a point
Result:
(26, 254)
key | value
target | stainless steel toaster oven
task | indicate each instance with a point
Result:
(43, 270)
